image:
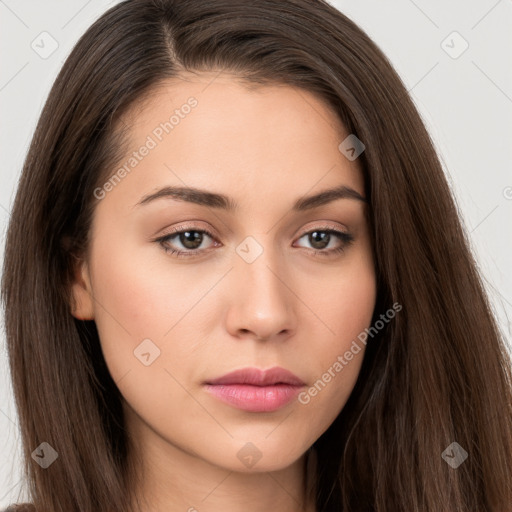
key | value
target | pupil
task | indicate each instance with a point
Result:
(323, 239)
(193, 242)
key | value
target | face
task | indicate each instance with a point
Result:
(243, 272)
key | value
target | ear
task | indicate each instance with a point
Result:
(81, 290)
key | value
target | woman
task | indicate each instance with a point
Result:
(235, 278)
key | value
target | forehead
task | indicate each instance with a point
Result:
(209, 130)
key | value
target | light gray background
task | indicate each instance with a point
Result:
(466, 103)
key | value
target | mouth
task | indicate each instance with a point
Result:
(255, 390)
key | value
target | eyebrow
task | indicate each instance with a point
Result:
(221, 201)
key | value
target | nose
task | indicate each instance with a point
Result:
(262, 304)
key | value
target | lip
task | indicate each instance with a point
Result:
(257, 377)
(255, 390)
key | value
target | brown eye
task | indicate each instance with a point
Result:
(320, 239)
(190, 239)
(186, 242)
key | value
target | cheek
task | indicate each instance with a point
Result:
(133, 303)
(146, 305)
(348, 304)
(344, 298)
(345, 305)
(337, 366)
(138, 291)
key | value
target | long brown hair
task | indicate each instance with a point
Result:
(439, 373)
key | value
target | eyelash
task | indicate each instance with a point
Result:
(345, 238)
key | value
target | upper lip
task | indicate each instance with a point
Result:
(258, 377)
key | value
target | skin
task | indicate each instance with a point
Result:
(214, 312)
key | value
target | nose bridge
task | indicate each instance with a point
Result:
(262, 302)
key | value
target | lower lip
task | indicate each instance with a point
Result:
(254, 398)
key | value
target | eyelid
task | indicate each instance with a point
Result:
(323, 226)
(193, 226)
(341, 233)
(176, 230)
